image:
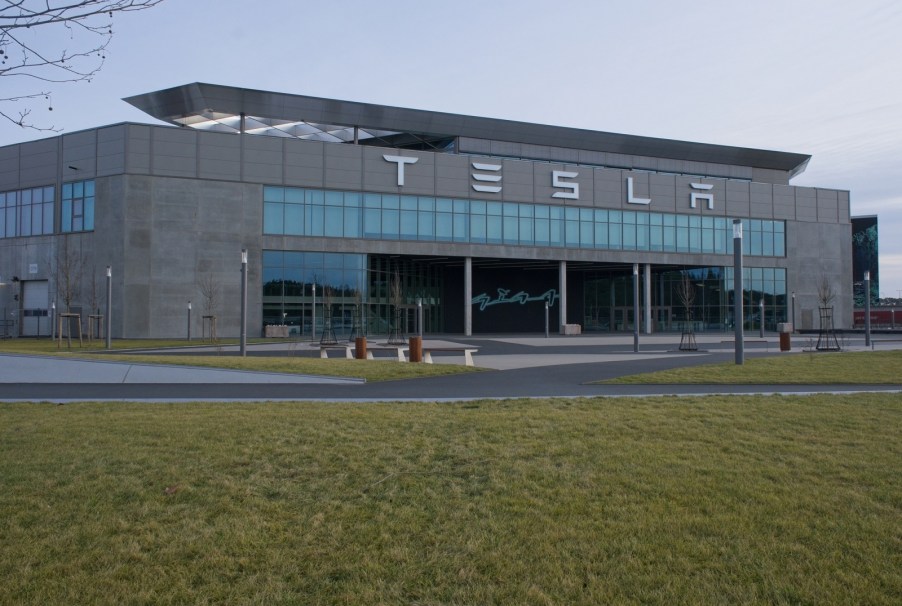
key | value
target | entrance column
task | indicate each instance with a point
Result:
(468, 297)
(648, 298)
(562, 279)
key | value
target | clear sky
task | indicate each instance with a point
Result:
(819, 77)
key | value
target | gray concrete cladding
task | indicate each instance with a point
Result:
(182, 152)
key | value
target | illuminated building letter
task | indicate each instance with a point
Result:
(556, 176)
(490, 189)
(694, 198)
(401, 161)
(629, 194)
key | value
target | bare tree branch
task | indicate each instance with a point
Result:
(54, 41)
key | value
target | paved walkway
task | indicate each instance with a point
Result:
(523, 367)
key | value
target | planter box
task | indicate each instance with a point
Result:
(276, 332)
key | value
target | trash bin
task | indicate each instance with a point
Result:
(360, 348)
(785, 329)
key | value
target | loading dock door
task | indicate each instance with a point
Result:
(35, 320)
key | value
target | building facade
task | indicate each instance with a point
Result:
(356, 216)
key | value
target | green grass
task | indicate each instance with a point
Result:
(854, 368)
(751, 500)
(370, 370)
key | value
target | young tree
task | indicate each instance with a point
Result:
(69, 270)
(47, 42)
(825, 292)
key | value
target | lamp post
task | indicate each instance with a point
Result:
(313, 315)
(867, 309)
(53, 321)
(636, 307)
(189, 319)
(546, 318)
(243, 339)
(739, 345)
(761, 315)
(793, 311)
(420, 317)
(109, 305)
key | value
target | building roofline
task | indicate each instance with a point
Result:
(180, 102)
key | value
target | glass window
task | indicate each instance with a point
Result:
(526, 234)
(408, 223)
(351, 221)
(493, 229)
(390, 222)
(294, 220)
(444, 226)
(425, 222)
(477, 228)
(334, 221)
(372, 223)
(511, 230)
(77, 209)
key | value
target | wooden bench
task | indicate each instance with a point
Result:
(467, 351)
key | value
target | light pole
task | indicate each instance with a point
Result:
(109, 305)
(189, 319)
(243, 339)
(420, 317)
(636, 307)
(793, 311)
(761, 315)
(546, 318)
(867, 309)
(737, 291)
(313, 315)
(53, 321)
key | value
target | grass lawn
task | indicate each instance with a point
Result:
(854, 368)
(742, 500)
(371, 370)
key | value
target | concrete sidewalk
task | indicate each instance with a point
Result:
(46, 369)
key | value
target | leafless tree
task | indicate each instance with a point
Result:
(209, 290)
(686, 293)
(47, 42)
(825, 292)
(69, 270)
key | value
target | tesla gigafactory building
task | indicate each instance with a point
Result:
(355, 214)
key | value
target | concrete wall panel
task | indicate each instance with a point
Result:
(111, 150)
(80, 154)
(304, 163)
(263, 160)
(219, 156)
(452, 176)
(827, 205)
(174, 152)
(806, 204)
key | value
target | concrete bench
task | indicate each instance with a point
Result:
(399, 349)
(467, 351)
(348, 349)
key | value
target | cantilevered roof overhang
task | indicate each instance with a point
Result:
(219, 107)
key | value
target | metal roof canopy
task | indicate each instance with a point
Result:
(181, 104)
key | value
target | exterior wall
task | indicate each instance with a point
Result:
(177, 205)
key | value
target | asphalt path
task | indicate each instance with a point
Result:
(516, 367)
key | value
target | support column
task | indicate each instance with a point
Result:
(648, 327)
(468, 296)
(562, 299)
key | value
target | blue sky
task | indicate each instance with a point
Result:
(815, 77)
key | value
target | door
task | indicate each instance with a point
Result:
(35, 319)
